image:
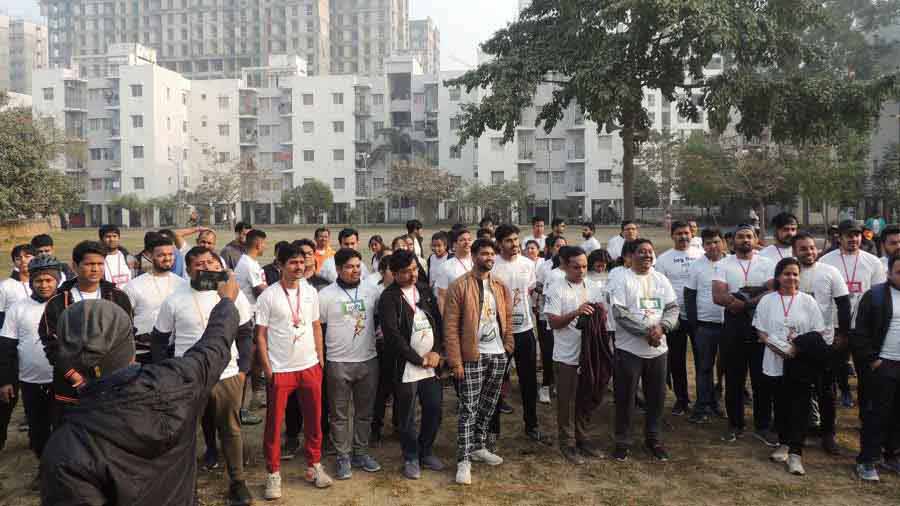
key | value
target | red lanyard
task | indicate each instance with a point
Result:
(855, 265)
(296, 315)
(118, 264)
(413, 304)
(747, 270)
(786, 309)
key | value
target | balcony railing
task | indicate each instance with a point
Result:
(362, 109)
(576, 154)
(526, 154)
(249, 138)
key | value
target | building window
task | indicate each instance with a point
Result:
(309, 155)
(559, 178)
(137, 152)
(377, 127)
(604, 176)
(454, 93)
(137, 90)
(223, 130)
(378, 99)
(48, 93)
(338, 183)
(96, 184)
(184, 126)
(308, 127)
(264, 130)
(224, 156)
(224, 102)
(497, 177)
(454, 123)
(96, 153)
(138, 183)
(338, 127)
(419, 126)
(542, 177)
(338, 155)
(137, 121)
(378, 184)
(337, 98)
(307, 99)
(455, 152)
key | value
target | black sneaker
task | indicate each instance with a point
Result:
(504, 407)
(239, 494)
(572, 455)
(537, 436)
(680, 408)
(210, 459)
(658, 451)
(732, 434)
(699, 417)
(289, 448)
(621, 453)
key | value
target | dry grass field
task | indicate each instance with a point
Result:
(703, 470)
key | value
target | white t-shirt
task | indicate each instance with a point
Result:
(697, 242)
(803, 315)
(21, 324)
(435, 267)
(116, 270)
(644, 296)
(737, 273)
(78, 295)
(185, 313)
(350, 319)
(824, 283)
(290, 348)
(860, 272)
(700, 278)
(329, 270)
(518, 276)
(613, 274)
(12, 291)
(147, 294)
(489, 339)
(542, 240)
(249, 275)
(775, 253)
(546, 275)
(451, 270)
(675, 265)
(890, 350)
(614, 246)
(590, 245)
(562, 297)
(884, 260)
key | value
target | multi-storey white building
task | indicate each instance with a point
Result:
(365, 32)
(23, 48)
(425, 44)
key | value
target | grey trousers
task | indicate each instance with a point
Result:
(651, 372)
(351, 393)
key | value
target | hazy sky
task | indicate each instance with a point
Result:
(463, 23)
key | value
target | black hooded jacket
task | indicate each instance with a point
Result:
(396, 319)
(132, 438)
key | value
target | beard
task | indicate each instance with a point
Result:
(586, 235)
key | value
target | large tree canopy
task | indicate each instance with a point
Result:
(778, 74)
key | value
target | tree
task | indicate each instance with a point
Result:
(316, 198)
(227, 183)
(603, 54)
(29, 187)
(885, 179)
(646, 191)
(292, 201)
(702, 166)
(424, 185)
(497, 200)
(659, 159)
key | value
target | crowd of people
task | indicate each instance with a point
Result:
(326, 339)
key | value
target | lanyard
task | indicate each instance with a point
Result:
(26, 289)
(465, 268)
(846, 273)
(747, 270)
(582, 292)
(355, 297)
(413, 304)
(786, 309)
(296, 314)
(118, 263)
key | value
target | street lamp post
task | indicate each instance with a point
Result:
(365, 156)
(549, 181)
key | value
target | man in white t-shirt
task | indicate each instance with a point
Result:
(739, 283)
(22, 358)
(629, 232)
(565, 302)
(347, 309)
(537, 233)
(250, 275)
(181, 320)
(517, 273)
(148, 292)
(292, 353)
(117, 269)
(704, 317)
(646, 311)
(18, 287)
(861, 271)
(347, 238)
(674, 264)
(785, 225)
(457, 265)
(545, 275)
(825, 284)
(590, 242)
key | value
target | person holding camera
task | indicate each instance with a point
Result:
(183, 318)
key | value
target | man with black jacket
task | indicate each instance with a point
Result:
(875, 344)
(411, 325)
(89, 258)
(131, 440)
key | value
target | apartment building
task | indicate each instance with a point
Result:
(425, 45)
(23, 48)
(365, 32)
(200, 39)
(4, 53)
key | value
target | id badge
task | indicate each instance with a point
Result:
(518, 319)
(421, 324)
(651, 303)
(120, 280)
(855, 286)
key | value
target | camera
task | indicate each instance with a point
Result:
(207, 281)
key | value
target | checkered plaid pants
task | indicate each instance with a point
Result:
(478, 393)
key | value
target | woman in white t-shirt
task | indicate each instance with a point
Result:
(787, 320)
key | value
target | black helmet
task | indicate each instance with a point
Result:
(44, 263)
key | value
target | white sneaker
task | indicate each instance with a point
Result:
(544, 395)
(273, 486)
(780, 455)
(485, 455)
(464, 473)
(316, 475)
(795, 465)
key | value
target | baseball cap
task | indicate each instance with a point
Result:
(849, 226)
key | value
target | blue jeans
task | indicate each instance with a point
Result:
(417, 444)
(705, 346)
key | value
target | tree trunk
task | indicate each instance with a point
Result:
(628, 169)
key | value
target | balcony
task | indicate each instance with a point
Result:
(247, 110)
(112, 100)
(573, 188)
(362, 110)
(576, 154)
(526, 155)
(249, 138)
(115, 134)
(431, 132)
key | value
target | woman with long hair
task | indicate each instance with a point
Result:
(376, 246)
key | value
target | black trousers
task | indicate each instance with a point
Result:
(678, 346)
(792, 405)
(6, 411)
(880, 412)
(385, 390)
(545, 336)
(417, 443)
(526, 370)
(827, 393)
(742, 353)
(39, 411)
